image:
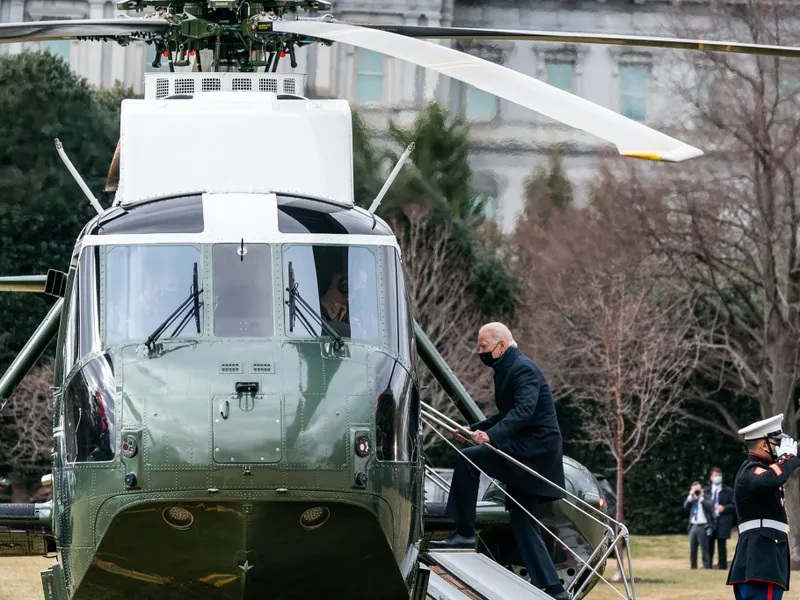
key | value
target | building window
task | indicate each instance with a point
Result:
(788, 85)
(481, 105)
(704, 87)
(489, 206)
(369, 76)
(488, 192)
(633, 91)
(57, 48)
(561, 74)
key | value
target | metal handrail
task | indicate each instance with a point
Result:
(437, 479)
(622, 532)
(429, 419)
(555, 537)
(526, 468)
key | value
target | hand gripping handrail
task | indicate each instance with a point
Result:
(428, 414)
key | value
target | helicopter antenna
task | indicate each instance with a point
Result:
(77, 176)
(377, 202)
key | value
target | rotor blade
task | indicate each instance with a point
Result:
(23, 283)
(631, 138)
(614, 39)
(71, 29)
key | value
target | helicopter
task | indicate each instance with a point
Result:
(236, 394)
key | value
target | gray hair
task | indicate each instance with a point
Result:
(498, 332)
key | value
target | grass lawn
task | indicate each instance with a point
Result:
(660, 562)
(19, 577)
(661, 570)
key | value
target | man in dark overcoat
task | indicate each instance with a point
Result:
(722, 511)
(526, 428)
(760, 568)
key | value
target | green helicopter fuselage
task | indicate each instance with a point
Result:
(244, 448)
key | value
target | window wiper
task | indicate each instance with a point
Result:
(193, 300)
(294, 299)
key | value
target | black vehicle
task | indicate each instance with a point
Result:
(608, 493)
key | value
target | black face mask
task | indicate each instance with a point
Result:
(773, 450)
(487, 358)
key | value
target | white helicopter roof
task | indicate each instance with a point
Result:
(232, 132)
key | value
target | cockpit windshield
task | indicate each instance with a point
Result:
(340, 284)
(145, 285)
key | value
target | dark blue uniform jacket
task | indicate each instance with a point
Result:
(525, 425)
(762, 554)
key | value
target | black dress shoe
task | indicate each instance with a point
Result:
(454, 542)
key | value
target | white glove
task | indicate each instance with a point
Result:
(787, 446)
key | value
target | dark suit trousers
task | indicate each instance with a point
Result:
(722, 551)
(464, 496)
(698, 537)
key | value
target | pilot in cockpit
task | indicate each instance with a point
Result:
(334, 303)
(345, 302)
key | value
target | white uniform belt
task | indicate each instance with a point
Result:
(756, 523)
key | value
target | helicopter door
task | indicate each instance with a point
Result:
(247, 428)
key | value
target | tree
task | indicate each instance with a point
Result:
(546, 190)
(615, 339)
(440, 179)
(42, 212)
(367, 164)
(43, 209)
(730, 223)
(440, 167)
(436, 276)
(28, 418)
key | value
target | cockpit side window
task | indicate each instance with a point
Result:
(90, 412)
(242, 291)
(145, 284)
(71, 326)
(89, 301)
(407, 345)
(340, 283)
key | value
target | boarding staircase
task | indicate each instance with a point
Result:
(462, 575)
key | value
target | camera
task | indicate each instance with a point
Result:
(697, 492)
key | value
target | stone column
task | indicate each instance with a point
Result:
(16, 15)
(91, 53)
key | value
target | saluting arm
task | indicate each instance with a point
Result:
(526, 395)
(759, 478)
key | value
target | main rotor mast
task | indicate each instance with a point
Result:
(237, 32)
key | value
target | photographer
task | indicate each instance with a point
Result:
(699, 524)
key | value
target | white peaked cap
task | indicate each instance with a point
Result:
(770, 428)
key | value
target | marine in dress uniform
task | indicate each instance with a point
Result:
(526, 428)
(760, 568)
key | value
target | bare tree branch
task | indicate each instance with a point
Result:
(28, 418)
(616, 335)
(437, 277)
